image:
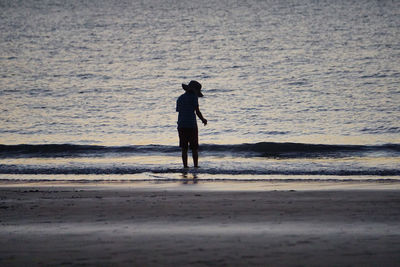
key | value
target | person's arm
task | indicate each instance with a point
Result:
(198, 113)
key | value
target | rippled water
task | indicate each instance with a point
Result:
(109, 72)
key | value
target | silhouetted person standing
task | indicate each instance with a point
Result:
(188, 107)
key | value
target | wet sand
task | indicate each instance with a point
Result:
(158, 226)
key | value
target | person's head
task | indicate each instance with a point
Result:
(193, 86)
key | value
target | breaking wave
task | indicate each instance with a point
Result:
(262, 149)
(21, 169)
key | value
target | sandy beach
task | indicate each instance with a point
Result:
(160, 226)
(298, 162)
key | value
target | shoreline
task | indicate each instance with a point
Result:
(209, 185)
(159, 226)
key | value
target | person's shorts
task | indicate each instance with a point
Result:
(188, 137)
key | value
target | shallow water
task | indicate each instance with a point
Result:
(108, 73)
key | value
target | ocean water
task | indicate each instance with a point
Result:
(300, 89)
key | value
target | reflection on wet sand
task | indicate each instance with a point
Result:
(189, 178)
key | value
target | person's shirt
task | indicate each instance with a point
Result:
(186, 106)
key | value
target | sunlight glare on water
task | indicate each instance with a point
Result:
(109, 72)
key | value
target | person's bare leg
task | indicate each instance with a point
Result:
(185, 157)
(195, 155)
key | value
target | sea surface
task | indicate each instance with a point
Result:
(298, 90)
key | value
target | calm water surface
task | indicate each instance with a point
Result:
(108, 73)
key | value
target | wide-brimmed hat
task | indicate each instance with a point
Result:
(195, 86)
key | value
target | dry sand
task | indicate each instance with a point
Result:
(138, 226)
